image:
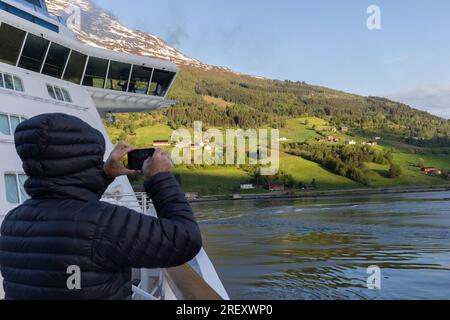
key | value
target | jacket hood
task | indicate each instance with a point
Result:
(62, 156)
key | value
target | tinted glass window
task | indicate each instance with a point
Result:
(14, 123)
(66, 95)
(23, 194)
(1, 80)
(118, 76)
(140, 79)
(18, 84)
(11, 40)
(33, 53)
(12, 194)
(95, 72)
(59, 94)
(8, 81)
(4, 124)
(56, 60)
(75, 67)
(51, 92)
(34, 2)
(160, 82)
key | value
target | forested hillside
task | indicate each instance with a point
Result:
(246, 101)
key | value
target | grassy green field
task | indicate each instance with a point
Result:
(297, 131)
(305, 171)
(146, 135)
(209, 181)
(226, 180)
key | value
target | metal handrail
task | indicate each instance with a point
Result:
(143, 294)
(139, 201)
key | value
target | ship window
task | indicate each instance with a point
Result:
(75, 67)
(33, 53)
(9, 123)
(56, 60)
(9, 84)
(140, 79)
(4, 124)
(51, 91)
(27, 16)
(15, 121)
(118, 76)
(161, 82)
(18, 84)
(34, 2)
(58, 93)
(11, 40)
(14, 185)
(95, 73)
(66, 95)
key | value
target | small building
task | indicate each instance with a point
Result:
(343, 129)
(334, 130)
(275, 186)
(283, 139)
(350, 142)
(428, 170)
(191, 195)
(247, 186)
(377, 138)
(370, 143)
(161, 143)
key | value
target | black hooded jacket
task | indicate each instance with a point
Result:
(65, 224)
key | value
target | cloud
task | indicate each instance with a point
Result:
(434, 99)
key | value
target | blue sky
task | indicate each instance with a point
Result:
(322, 42)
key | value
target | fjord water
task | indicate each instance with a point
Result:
(321, 248)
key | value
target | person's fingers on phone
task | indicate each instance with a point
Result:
(166, 153)
(122, 149)
(147, 163)
(131, 172)
(126, 150)
(157, 153)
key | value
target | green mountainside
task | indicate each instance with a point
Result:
(307, 116)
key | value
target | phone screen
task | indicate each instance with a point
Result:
(137, 158)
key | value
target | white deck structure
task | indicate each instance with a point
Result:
(44, 69)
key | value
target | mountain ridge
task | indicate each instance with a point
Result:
(101, 28)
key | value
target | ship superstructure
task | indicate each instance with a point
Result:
(44, 69)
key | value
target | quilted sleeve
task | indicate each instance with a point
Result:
(125, 238)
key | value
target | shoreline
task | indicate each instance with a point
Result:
(318, 194)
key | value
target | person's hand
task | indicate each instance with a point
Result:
(114, 166)
(159, 163)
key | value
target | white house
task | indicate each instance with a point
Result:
(247, 186)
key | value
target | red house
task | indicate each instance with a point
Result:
(275, 186)
(428, 170)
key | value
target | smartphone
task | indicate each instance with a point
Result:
(137, 158)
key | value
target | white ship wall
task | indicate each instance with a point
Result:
(34, 101)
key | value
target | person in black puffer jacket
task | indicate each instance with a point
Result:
(65, 224)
